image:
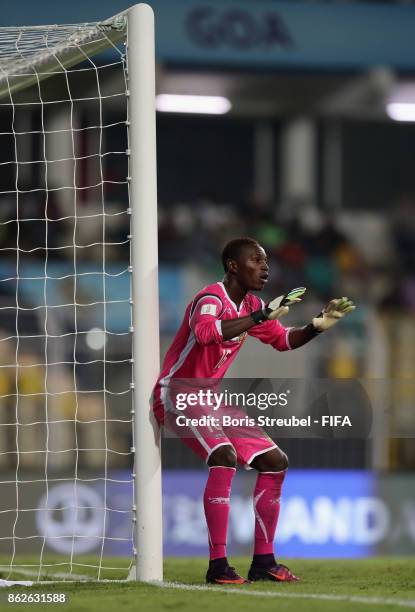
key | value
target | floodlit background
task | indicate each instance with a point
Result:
(290, 122)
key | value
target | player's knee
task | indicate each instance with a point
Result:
(224, 456)
(284, 461)
(274, 460)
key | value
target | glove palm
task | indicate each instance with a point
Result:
(332, 313)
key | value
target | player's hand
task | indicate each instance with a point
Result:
(278, 307)
(332, 313)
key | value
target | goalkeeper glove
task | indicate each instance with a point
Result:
(279, 306)
(335, 310)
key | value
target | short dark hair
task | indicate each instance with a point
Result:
(233, 249)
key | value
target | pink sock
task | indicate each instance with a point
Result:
(216, 502)
(267, 508)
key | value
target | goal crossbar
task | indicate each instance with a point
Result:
(35, 53)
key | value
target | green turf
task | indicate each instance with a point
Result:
(391, 579)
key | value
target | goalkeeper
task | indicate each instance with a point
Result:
(214, 328)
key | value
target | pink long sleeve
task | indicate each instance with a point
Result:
(205, 322)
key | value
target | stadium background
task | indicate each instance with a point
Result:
(308, 162)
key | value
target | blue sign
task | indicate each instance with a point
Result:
(286, 34)
(324, 513)
(172, 293)
(330, 513)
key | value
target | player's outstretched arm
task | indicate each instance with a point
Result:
(271, 311)
(334, 311)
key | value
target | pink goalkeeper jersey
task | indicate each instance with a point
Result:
(198, 349)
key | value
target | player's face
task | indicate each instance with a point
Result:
(252, 268)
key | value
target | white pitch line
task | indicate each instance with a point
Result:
(378, 601)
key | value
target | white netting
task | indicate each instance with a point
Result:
(65, 350)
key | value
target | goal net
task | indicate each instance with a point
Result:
(71, 164)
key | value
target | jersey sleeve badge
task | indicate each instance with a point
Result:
(208, 309)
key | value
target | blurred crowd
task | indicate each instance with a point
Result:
(370, 255)
(367, 255)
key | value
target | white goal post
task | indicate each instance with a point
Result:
(72, 124)
(143, 168)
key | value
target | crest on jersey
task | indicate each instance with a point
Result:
(209, 309)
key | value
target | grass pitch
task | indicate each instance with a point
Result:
(326, 585)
